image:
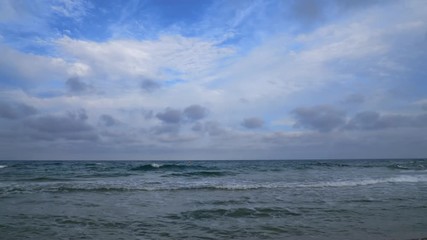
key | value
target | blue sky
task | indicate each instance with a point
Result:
(191, 79)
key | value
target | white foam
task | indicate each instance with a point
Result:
(126, 185)
(364, 182)
(3, 166)
(342, 183)
(155, 165)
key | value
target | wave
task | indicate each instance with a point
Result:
(419, 164)
(364, 182)
(104, 175)
(215, 213)
(408, 166)
(200, 174)
(45, 179)
(3, 166)
(42, 186)
(343, 183)
(155, 166)
(224, 202)
(330, 164)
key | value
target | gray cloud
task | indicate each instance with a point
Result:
(385, 143)
(169, 129)
(73, 122)
(370, 120)
(76, 86)
(72, 126)
(148, 114)
(310, 12)
(91, 136)
(252, 123)
(170, 115)
(107, 120)
(212, 128)
(365, 120)
(420, 120)
(79, 114)
(16, 110)
(195, 112)
(320, 118)
(149, 85)
(197, 127)
(354, 99)
(355, 4)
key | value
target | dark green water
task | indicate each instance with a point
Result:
(348, 199)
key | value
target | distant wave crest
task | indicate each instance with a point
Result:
(200, 174)
(158, 186)
(408, 166)
(176, 167)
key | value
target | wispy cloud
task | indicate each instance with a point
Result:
(281, 78)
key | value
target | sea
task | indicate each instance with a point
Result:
(305, 199)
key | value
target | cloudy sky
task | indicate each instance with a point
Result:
(191, 79)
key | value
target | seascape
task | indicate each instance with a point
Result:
(213, 119)
(308, 199)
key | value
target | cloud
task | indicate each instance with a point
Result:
(72, 126)
(76, 86)
(72, 122)
(313, 12)
(175, 116)
(29, 70)
(354, 99)
(195, 112)
(132, 58)
(149, 85)
(371, 120)
(32, 25)
(256, 58)
(107, 120)
(351, 4)
(166, 129)
(170, 115)
(322, 118)
(75, 9)
(422, 103)
(13, 110)
(18, 13)
(197, 127)
(252, 123)
(214, 128)
(365, 120)
(308, 11)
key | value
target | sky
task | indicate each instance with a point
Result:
(191, 79)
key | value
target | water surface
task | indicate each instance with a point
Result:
(329, 199)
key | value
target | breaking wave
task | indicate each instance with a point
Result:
(43, 186)
(200, 174)
(408, 166)
(173, 167)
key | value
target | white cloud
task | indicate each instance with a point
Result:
(71, 8)
(29, 68)
(130, 58)
(283, 72)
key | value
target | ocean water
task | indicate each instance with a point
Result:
(345, 199)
